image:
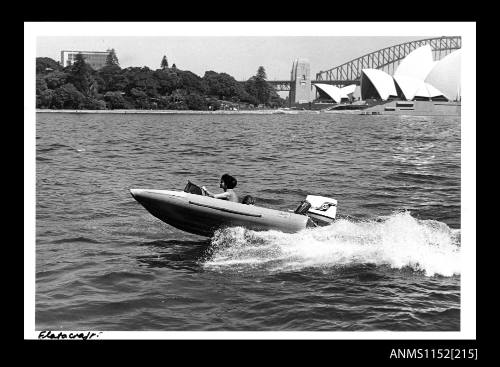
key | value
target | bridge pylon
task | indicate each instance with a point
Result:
(300, 82)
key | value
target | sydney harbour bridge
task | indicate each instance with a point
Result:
(386, 59)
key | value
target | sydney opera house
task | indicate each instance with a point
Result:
(417, 78)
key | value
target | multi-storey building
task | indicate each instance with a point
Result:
(96, 59)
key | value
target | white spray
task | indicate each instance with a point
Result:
(399, 241)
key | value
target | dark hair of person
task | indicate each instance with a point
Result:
(229, 180)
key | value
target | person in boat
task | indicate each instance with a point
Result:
(227, 183)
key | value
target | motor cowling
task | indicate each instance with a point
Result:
(322, 208)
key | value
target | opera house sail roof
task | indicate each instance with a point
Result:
(418, 76)
(335, 93)
(331, 91)
(417, 64)
(377, 84)
(445, 76)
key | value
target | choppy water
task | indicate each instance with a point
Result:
(390, 263)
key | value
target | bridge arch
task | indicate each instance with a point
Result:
(387, 59)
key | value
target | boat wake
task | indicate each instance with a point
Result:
(399, 241)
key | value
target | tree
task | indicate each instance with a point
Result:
(195, 102)
(67, 97)
(140, 98)
(46, 65)
(251, 89)
(168, 81)
(81, 75)
(41, 85)
(79, 86)
(261, 73)
(178, 100)
(142, 79)
(110, 78)
(224, 86)
(94, 104)
(258, 87)
(164, 63)
(56, 79)
(112, 59)
(220, 85)
(261, 85)
(213, 104)
(191, 82)
(275, 100)
(115, 100)
(44, 99)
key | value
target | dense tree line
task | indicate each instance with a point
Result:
(78, 86)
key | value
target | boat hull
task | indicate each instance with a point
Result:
(203, 215)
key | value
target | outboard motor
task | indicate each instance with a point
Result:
(322, 210)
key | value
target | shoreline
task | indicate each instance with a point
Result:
(374, 111)
(182, 112)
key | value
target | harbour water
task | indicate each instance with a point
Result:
(391, 261)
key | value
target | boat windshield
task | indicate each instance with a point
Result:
(191, 188)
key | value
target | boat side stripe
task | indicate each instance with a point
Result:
(225, 210)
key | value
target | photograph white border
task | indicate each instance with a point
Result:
(467, 30)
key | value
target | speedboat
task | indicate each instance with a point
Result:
(191, 211)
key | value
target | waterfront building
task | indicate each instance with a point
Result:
(418, 77)
(417, 64)
(336, 94)
(377, 84)
(411, 72)
(445, 76)
(96, 59)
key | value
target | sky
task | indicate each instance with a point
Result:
(239, 57)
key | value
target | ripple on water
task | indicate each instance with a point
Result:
(389, 263)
